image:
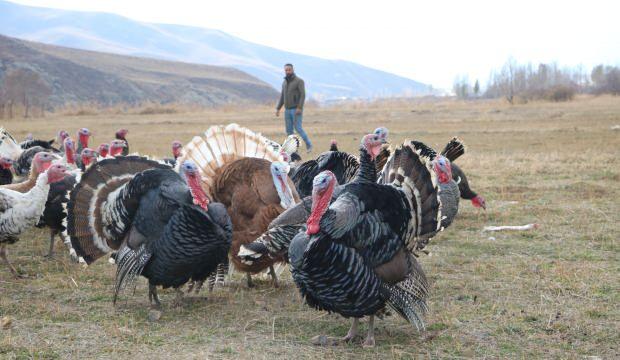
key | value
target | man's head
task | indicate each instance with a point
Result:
(288, 69)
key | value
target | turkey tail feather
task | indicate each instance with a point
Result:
(129, 265)
(99, 203)
(454, 149)
(223, 144)
(408, 297)
(409, 169)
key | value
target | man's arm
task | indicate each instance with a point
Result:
(280, 102)
(302, 96)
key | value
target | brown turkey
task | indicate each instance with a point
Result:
(243, 171)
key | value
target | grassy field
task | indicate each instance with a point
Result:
(550, 293)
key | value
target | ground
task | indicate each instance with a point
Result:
(551, 292)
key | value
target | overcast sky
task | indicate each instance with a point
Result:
(431, 41)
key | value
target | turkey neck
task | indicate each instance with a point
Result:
(40, 190)
(198, 194)
(368, 170)
(284, 191)
(83, 141)
(70, 155)
(320, 203)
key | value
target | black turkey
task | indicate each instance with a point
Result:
(54, 215)
(355, 257)
(160, 222)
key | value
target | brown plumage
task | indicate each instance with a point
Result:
(240, 169)
(247, 190)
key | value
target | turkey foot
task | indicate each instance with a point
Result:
(153, 297)
(178, 300)
(274, 277)
(352, 334)
(3, 253)
(323, 340)
(249, 278)
(370, 339)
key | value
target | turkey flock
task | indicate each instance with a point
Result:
(350, 227)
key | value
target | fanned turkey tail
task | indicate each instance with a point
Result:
(454, 149)
(221, 145)
(101, 204)
(409, 169)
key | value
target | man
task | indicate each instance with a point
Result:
(292, 98)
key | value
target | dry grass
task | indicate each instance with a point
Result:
(550, 293)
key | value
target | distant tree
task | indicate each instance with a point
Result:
(606, 79)
(460, 87)
(477, 88)
(25, 87)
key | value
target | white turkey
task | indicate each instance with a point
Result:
(21, 211)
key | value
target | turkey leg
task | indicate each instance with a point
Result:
(3, 253)
(50, 253)
(370, 339)
(178, 300)
(250, 283)
(272, 272)
(352, 331)
(153, 296)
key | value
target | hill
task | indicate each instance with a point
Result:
(325, 79)
(76, 76)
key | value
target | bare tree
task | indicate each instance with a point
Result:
(26, 88)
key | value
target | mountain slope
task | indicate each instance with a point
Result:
(325, 79)
(87, 76)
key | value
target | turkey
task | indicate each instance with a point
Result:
(121, 134)
(333, 145)
(54, 215)
(161, 222)
(21, 166)
(83, 136)
(342, 164)
(46, 144)
(244, 172)
(9, 148)
(275, 241)
(103, 150)
(177, 151)
(62, 135)
(69, 154)
(40, 162)
(453, 150)
(20, 211)
(6, 174)
(118, 148)
(88, 157)
(355, 256)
